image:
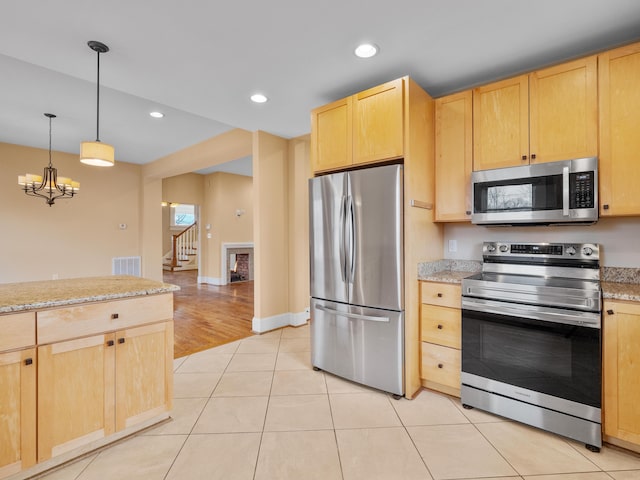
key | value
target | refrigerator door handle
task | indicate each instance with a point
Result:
(352, 239)
(341, 236)
(354, 316)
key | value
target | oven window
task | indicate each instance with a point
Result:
(551, 358)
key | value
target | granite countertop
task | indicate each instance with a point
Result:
(17, 297)
(447, 271)
(621, 291)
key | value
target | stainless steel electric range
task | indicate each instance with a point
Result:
(531, 337)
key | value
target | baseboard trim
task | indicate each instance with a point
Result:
(262, 325)
(210, 280)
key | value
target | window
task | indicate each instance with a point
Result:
(182, 214)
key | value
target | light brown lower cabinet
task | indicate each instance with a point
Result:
(77, 378)
(440, 331)
(92, 387)
(621, 373)
(17, 411)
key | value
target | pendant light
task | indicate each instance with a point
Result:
(97, 153)
(48, 186)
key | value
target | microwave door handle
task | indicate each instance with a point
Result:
(565, 191)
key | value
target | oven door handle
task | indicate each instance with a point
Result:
(534, 312)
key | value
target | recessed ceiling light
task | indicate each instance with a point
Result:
(258, 98)
(366, 50)
(156, 114)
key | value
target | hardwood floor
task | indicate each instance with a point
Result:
(205, 315)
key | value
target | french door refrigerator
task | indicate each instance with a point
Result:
(357, 292)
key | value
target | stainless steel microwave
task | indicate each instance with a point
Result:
(538, 194)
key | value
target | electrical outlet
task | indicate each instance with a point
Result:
(453, 245)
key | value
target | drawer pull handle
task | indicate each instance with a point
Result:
(609, 312)
(440, 365)
(121, 340)
(605, 206)
(439, 327)
(114, 316)
(439, 295)
(524, 157)
(533, 156)
(110, 343)
(28, 361)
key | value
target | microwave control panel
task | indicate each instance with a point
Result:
(581, 190)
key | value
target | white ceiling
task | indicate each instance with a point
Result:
(199, 60)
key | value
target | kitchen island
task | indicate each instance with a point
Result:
(83, 362)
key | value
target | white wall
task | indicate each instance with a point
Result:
(619, 239)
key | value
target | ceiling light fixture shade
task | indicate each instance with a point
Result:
(48, 186)
(97, 153)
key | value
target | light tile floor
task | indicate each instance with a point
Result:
(255, 409)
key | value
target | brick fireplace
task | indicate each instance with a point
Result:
(240, 264)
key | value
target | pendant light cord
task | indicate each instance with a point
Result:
(98, 102)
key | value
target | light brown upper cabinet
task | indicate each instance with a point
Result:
(619, 72)
(454, 157)
(548, 115)
(378, 126)
(364, 128)
(331, 135)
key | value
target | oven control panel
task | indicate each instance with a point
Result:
(566, 251)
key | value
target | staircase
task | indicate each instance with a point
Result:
(184, 251)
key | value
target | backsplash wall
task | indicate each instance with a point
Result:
(618, 238)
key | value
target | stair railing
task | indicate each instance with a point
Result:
(182, 244)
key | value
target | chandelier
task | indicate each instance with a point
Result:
(48, 186)
(97, 153)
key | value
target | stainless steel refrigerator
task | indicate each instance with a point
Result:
(357, 293)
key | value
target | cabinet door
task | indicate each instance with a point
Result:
(619, 71)
(501, 124)
(144, 365)
(331, 136)
(563, 116)
(454, 157)
(75, 393)
(621, 371)
(378, 123)
(17, 411)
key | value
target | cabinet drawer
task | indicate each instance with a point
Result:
(441, 325)
(95, 318)
(18, 330)
(441, 364)
(443, 294)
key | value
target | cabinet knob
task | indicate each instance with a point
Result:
(440, 365)
(533, 156)
(609, 312)
(28, 361)
(468, 212)
(439, 327)
(605, 206)
(110, 343)
(524, 157)
(114, 316)
(121, 340)
(439, 295)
